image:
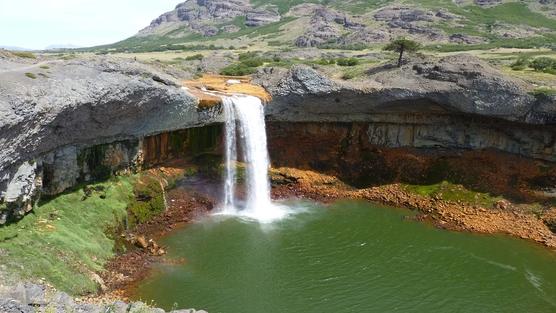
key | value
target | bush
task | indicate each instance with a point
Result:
(521, 63)
(197, 56)
(543, 64)
(248, 62)
(31, 75)
(238, 69)
(348, 75)
(347, 61)
(24, 54)
(253, 62)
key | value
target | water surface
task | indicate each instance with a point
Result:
(351, 257)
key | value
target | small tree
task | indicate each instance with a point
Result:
(402, 45)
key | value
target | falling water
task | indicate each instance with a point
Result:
(231, 153)
(245, 125)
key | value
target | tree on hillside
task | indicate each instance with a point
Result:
(402, 45)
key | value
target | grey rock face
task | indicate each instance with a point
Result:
(323, 28)
(31, 298)
(256, 18)
(203, 16)
(455, 102)
(465, 39)
(487, 3)
(405, 14)
(82, 103)
(13, 306)
(300, 80)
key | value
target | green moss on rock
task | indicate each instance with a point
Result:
(148, 200)
(67, 238)
(453, 192)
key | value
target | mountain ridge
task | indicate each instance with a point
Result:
(348, 24)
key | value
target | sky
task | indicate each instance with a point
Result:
(36, 24)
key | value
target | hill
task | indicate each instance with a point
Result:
(443, 25)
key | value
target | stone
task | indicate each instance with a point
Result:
(63, 300)
(13, 306)
(35, 294)
(119, 307)
(88, 308)
(230, 29)
(141, 242)
(17, 293)
(137, 307)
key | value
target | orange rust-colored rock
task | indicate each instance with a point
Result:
(208, 89)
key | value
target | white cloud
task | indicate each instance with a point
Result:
(38, 23)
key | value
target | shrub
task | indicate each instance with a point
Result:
(44, 67)
(24, 54)
(521, 63)
(325, 61)
(348, 75)
(543, 64)
(347, 61)
(31, 75)
(254, 62)
(197, 56)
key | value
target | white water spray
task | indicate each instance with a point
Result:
(245, 125)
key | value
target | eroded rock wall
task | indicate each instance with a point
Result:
(363, 156)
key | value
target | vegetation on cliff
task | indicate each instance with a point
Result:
(66, 239)
(69, 238)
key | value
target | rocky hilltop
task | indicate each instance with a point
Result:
(347, 24)
(79, 119)
(210, 17)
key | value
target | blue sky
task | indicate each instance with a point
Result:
(36, 24)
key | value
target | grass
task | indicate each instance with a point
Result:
(544, 91)
(24, 54)
(65, 239)
(452, 192)
(31, 75)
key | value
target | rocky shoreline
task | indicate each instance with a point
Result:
(35, 298)
(504, 218)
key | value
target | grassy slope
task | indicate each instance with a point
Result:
(65, 239)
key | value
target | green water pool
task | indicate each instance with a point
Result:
(349, 257)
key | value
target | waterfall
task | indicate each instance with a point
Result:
(231, 153)
(245, 127)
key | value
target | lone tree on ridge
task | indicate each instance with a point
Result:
(402, 45)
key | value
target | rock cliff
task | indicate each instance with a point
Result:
(82, 119)
(456, 102)
(52, 112)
